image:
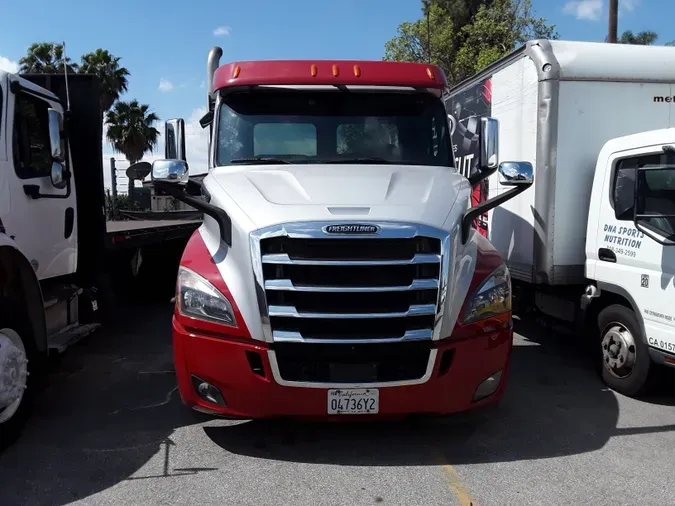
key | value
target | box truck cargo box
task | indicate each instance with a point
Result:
(557, 103)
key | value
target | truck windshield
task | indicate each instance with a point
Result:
(281, 126)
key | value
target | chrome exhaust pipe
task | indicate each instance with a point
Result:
(212, 63)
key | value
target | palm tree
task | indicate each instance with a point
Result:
(46, 58)
(130, 129)
(112, 76)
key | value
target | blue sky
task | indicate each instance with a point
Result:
(167, 42)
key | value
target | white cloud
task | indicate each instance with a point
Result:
(196, 147)
(165, 85)
(628, 5)
(593, 10)
(8, 65)
(584, 9)
(221, 30)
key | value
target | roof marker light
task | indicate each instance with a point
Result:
(336, 71)
(430, 74)
(237, 69)
(357, 71)
(314, 70)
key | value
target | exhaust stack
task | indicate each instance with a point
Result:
(212, 64)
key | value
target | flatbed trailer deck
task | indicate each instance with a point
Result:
(136, 233)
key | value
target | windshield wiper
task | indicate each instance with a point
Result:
(358, 160)
(260, 160)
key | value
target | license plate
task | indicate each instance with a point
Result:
(352, 401)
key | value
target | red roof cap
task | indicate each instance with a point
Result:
(322, 72)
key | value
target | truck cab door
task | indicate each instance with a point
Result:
(626, 258)
(41, 217)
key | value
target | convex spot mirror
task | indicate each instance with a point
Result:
(58, 176)
(516, 173)
(170, 171)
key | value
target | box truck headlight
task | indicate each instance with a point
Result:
(491, 298)
(200, 299)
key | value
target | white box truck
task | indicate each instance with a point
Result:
(592, 244)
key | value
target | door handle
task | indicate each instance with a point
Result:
(606, 255)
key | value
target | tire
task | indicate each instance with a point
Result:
(625, 364)
(15, 327)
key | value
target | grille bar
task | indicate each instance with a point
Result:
(284, 336)
(284, 259)
(292, 312)
(288, 285)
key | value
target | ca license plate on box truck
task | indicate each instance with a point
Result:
(352, 401)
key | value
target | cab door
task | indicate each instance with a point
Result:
(628, 258)
(41, 217)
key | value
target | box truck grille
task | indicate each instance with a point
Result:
(323, 295)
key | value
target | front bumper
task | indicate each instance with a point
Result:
(250, 389)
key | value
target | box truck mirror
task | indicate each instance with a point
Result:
(488, 154)
(57, 145)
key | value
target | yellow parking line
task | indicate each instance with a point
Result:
(455, 485)
(454, 482)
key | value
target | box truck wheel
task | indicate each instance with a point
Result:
(17, 346)
(626, 365)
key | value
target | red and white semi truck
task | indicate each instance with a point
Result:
(337, 270)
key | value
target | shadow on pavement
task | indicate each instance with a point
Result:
(555, 405)
(112, 405)
(109, 406)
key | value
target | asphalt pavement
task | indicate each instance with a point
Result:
(110, 430)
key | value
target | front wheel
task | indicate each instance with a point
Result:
(626, 365)
(16, 347)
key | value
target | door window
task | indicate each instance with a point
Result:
(657, 190)
(31, 146)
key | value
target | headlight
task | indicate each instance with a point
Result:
(492, 297)
(200, 299)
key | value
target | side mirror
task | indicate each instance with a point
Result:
(516, 173)
(55, 120)
(520, 175)
(58, 175)
(488, 152)
(174, 140)
(170, 171)
(489, 146)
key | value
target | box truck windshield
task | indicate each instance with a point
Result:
(292, 126)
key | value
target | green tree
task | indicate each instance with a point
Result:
(496, 31)
(646, 38)
(467, 35)
(45, 58)
(113, 77)
(131, 129)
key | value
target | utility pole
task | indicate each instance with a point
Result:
(113, 185)
(613, 21)
(427, 8)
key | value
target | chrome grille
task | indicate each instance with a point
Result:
(318, 288)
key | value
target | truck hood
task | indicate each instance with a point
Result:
(268, 195)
